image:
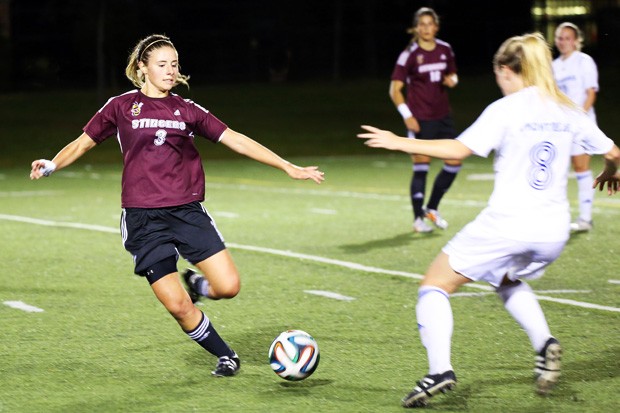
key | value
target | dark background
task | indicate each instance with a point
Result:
(72, 43)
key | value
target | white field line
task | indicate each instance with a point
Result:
(470, 294)
(481, 177)
(323, 211)
(225, 214)
(19, 194)
(330, 294)
(537, 291)
(290, 254)
(48, 223)
(606, 204)
(602, 203)
(306, 191)
(20, 305)
(613, 281)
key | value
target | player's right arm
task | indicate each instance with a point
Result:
(438, 148)
(66, 156)
(398, 98)
(590, 99)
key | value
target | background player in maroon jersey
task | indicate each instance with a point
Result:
(427, 68)
(163, 186)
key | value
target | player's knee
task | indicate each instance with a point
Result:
(179, 307)
(227, 290)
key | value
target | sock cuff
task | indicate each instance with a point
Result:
(584, 174)
(198, 333)
(421, 167)
(453, 169)
(427, 289)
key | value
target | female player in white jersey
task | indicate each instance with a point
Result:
(163, 186)
(426, 69)
(526, 223)
(577, 77)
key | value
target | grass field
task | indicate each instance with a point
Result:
(104, 344)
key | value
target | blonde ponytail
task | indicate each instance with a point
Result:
(530, 56)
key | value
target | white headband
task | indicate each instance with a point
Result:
(151, 44)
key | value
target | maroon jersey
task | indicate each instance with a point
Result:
(162, 166)
(422, 71)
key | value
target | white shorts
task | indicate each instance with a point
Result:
(577, 150)
(481, 257)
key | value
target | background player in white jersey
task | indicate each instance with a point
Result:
(163, 186)
(526, 224)
(427, 68)
(577, 77)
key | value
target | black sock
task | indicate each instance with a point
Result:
(205, 335)
(443, 181)
(417, 188)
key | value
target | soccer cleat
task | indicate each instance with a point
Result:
(227, 366)
(435, 218)
(581, 225)
(420, 226)
(191, 279)
(429, 386)
(548, 363)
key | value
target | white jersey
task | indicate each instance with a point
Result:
(575, 75)
(532, 136)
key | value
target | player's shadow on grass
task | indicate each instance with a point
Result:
(395, 241)
(302, 386)
(575, 235)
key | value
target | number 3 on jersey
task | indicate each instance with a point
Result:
(541, 156)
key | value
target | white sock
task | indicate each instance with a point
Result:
(204, 287)
(520, 301)
(586, 194)
(434, 315)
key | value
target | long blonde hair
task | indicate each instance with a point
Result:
(530, 56)
(142, 52)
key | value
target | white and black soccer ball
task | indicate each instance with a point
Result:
(294, 355)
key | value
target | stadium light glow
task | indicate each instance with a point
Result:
(560, 11)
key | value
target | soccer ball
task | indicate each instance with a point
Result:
(294, 355)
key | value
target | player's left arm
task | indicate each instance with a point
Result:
(451, 79)
(440, 148)
(609, 175)
(246, 146)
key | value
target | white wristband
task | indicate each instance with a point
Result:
(404, 111)
(47, 168)
(455, 79)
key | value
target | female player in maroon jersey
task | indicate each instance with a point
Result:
(163, 186)
(427, 68)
